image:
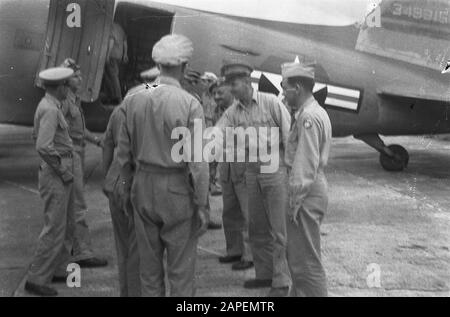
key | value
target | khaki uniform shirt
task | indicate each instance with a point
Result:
(111, 140)
(308, 148)
(51, 132)
(209, 108)
(74, 116)
(151, 115)
(229, 172)
(264, 111)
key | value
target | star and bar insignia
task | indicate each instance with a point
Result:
(446, 69)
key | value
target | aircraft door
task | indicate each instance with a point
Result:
(79, 29)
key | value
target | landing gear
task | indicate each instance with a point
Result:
(396, 163)
(393, 158)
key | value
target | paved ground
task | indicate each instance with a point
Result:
(400, 222)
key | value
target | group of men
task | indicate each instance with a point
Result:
(61, 136)
(161, 205)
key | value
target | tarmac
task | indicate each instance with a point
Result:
(385, 234)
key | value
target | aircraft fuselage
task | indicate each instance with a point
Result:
(216, 37)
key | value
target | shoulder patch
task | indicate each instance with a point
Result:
(307, 124)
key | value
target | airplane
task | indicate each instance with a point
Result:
(379, 72)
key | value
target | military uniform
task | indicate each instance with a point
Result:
(161, 192)
(235, 205)
(190, 84)
(235, 210)
(267, 193)
(55, 148)
(117, 54)
(82, 247)
(164, 193)
(209, 110)
(307, 156)
(122, 217)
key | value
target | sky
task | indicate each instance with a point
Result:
(323, 12)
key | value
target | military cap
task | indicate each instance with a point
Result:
(150, 73)
(70, 63)
(209, 76)
(236, 68)
(56, 75)
(298, 69)
(218, 83)
(173, 50)
(192, 75)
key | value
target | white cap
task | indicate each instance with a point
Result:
(173, 50)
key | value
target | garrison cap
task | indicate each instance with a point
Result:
(298, 69)
(56, 75)
(151, 73)
(172, 50)
(218, 83)
(70, 63)
(236, 68)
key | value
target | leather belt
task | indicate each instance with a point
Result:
(151, 168)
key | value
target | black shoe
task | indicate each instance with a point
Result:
(242, 265)
(92, 263)
(255, 283)
(279, 292)
(230, 258)
(59, 279)
(40, 290)
(214, 225)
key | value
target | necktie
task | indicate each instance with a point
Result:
(292, 118)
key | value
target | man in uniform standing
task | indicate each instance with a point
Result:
(192, 83)
(121, 214)
(267, 192)
(306, 157)
(117, 55)
(55, 148)
(208, 103)
(169, 197)
(209, 109)
(71, 107)
(234, 196)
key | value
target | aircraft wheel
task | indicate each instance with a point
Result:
(397, 163)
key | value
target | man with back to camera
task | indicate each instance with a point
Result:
(169, 198)
(122, 215)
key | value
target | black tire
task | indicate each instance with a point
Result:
(397, 164)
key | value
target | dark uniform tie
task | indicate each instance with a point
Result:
(293, 118)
